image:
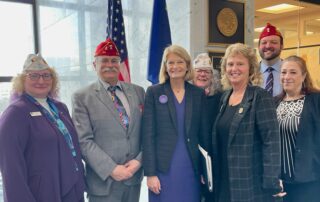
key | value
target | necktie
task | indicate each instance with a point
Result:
(269, 83)
(119, 106)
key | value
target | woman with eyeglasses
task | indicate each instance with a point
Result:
(208, 78)
(40, 159)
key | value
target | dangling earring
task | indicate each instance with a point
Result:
(303, 88)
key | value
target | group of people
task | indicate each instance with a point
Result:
(259, 122)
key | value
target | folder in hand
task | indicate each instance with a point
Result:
(207, 165)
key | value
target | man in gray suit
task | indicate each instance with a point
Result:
(107, 116)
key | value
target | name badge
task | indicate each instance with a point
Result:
(35, 114)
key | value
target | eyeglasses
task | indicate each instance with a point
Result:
(113, 61)
(36, 76)
(203, 71)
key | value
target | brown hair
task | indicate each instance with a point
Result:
(307, 85)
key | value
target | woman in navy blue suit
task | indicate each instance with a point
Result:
(174, 123)
(299, 118)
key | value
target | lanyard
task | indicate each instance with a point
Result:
(55, 119)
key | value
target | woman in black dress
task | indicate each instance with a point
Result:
(299, 118)
(208, 79)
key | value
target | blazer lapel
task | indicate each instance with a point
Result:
(188, 107)
(128, 91)
(171, 106)
(38, 109)
(240, 113)
(305, 117)
(107, 101)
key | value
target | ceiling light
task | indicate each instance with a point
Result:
(280, 8)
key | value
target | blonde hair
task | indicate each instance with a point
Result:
(181, 52)
(255, 77)
(18, 83)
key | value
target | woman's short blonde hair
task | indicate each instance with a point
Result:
(18, 83)
(255, 77)
(181, 52)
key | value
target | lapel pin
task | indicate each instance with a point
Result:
(141, 107)
(35, 113)
(163, 99)
(240, 110)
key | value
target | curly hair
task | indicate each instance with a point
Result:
(181, 52)
(18, 84)
(215, 82)
(255, 77)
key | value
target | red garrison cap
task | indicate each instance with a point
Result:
(108, 48)
(269, 30)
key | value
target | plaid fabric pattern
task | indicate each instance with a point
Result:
(253, 148)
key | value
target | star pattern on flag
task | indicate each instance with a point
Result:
(115, 29)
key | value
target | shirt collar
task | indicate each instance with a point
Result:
(275, 66)
(106, 85)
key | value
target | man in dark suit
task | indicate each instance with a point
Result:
(107, 116)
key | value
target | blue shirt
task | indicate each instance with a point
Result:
(277, 88)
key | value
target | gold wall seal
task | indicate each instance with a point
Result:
(227, 22)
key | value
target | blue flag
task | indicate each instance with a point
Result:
(159, 40)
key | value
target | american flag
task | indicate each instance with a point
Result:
(115, 30)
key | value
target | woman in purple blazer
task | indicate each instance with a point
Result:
(40, 159)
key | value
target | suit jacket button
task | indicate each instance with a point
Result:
(128, 137)
(188, 140)
(127, 155)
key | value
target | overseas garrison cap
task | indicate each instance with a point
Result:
(107, 48)
(203, 61)
(269, 30)
(35, 62)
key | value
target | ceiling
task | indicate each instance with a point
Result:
(290, 22)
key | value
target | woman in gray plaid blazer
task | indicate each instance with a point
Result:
(246, 143)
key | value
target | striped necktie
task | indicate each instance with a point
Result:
(269, 83)
(119, 106)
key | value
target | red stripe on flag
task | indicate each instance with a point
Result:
(124, 71)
